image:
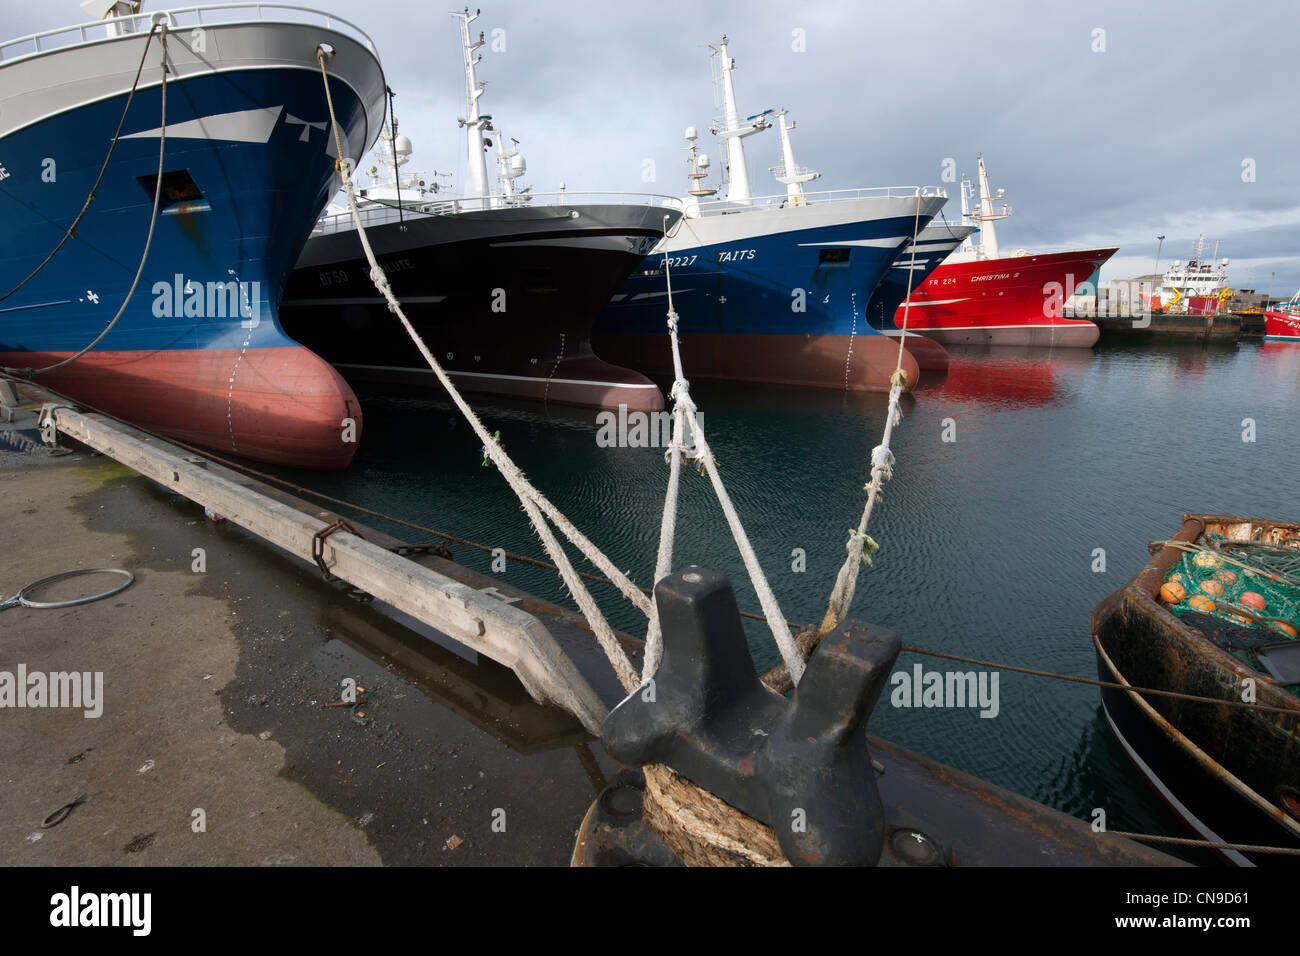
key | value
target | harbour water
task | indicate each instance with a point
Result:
(1012, 471)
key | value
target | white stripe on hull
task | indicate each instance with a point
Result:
(243, 126)
(887, 243)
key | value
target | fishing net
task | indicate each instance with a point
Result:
(1240, 595)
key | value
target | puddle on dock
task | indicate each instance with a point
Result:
(437, 745)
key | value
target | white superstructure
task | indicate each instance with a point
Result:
(1196, 279)
(981, 245)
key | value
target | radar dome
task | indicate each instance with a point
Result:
(402, 145)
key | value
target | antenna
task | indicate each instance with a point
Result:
(474, 123)
(699, 167)
(792, 175)
(728, 127)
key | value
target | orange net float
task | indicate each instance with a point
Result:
(1172, 592)
(1211, 587)
(1199, 602)
(1253, 600)
(1225, 577)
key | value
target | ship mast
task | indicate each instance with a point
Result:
(792, 175)
(113, 11)
(988, 237)
(476, 181)
(967, 194)
(732, 133)
(510, 165)
(699, 167)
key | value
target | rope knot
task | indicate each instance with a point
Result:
(680, 394)
(496, 440)
(882, 462)
(898, 379)
(862, 544)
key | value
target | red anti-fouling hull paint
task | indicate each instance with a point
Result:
(930, 355)
(1006, 301)
(280, 405)
(861, 363)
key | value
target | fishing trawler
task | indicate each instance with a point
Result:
(1283, 323)
(912, 267)
(770, 288)
(1196, 287)
(504, 284)
(979, 296)
(247, 164)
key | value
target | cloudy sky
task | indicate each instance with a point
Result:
(1099, 138)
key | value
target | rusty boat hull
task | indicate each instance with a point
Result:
(1229, 773)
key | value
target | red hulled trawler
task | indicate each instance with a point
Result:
(980, 297)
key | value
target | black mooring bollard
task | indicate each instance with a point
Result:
(801, 766)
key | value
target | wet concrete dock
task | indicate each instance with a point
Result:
(216, 686)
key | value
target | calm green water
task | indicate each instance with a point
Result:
(987, 541)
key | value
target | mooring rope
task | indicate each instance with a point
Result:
(772, 679)
(1207, 844)
(533, 502)
(538, 508)
(685, 416)
(161, 29)
(860, 545)
(239, 466)
(94, 189)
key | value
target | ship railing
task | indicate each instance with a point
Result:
(779, 171)
(180, 18)
(721, 207)
(377, 214)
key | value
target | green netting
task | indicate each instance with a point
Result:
(1248, 584)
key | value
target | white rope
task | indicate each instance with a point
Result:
(538, 508)
(860, 544)
(684, 411)
(533, 502)
(667, 532)
(161, 30)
